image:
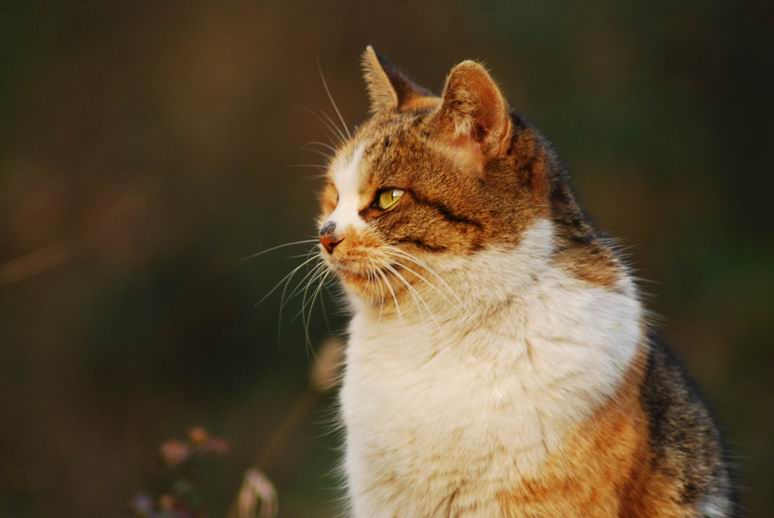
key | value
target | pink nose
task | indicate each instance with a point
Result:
(329, 242)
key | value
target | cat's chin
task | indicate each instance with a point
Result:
(353, 277)
(355, 280)
(361, 286)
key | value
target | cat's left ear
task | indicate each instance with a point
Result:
(388, 88)
(473, 117)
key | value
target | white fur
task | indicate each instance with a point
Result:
(713, 507)
(346, 178)
(440, 417)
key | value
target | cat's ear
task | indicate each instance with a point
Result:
(388, 88)
(474, 115)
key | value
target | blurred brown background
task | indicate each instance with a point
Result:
(144, 150)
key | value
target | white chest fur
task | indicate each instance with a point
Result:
(440, 417)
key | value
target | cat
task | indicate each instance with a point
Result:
(499, 360)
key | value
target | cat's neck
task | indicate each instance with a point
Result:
(480, 290)
(507, 303)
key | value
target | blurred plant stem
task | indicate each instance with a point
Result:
(284, 432)
(257, 497)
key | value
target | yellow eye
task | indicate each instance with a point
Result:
(387, 198)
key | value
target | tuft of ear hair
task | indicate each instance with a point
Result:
(388, 88)
(474, 114)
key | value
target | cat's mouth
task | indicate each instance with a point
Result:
(357, 273)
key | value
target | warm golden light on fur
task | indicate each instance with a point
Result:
(499, 362)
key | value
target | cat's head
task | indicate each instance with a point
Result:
(429, 179)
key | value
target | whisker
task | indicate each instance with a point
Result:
(315, 176)
(413, 292)
(371, 274)
(317, 292)
(285, 279)
(277, 248)
(394, 298)
(312, 166)
(311, 271)
(442, 294)
(310, 277)
(330, 98)
(307, 282)
(410, 257)
(325, 312)
(297, 256)
(318, 152)
(342, 137)
(300, 285)
(302, 314)
(322, 145)
(306, 318)
(283, 300)
(329, 126)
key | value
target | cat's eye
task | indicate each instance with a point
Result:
(387, 198)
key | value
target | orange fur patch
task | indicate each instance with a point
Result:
(604, 468)
(592, 263)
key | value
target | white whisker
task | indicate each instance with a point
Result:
(322, 145)
(395, 252)
(394, 298)
(318, 152)
(325, 312)
(422, 264)
(333, 131)
(330, 98)
(415, 295)
(310, 276)
(278, 247)
(306, 318)
(287, 283)
(285, 279)
(422, 278)
(310, 166)
(342, 137)
(371, 275)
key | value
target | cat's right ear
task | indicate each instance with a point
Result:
(473, 120)
(388, 88)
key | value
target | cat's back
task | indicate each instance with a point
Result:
(684, 444)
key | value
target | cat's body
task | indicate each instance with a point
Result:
(459, 427)
(498, 362)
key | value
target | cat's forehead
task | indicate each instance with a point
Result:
(380, 149)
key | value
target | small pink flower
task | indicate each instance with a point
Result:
(198, 435)
(174, 452)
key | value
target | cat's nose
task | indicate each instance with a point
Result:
(328, 238)
(329, 241)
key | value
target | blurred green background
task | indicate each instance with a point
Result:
(144, 151)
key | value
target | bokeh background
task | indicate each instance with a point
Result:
(145, 151)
